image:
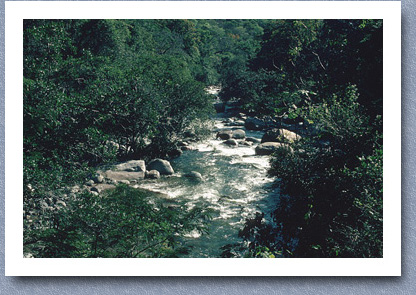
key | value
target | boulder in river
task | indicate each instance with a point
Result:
(132, 166)
(239, 134)
(280, 135)
(160, 165)
(225, 134)
(152, 174)
(268, 148)
(194, 175)
(118, 176)
(231, 142)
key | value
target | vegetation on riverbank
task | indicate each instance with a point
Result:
(121, 223)
(327, 76)
(101, 91)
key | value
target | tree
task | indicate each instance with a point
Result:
(328, 74)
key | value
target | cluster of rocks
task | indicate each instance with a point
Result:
(275, 139)
(129, 172)
(235, 137)
(272, 140)
(232, 111)
(280, 135)
(279, 132)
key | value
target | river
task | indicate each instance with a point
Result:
(235, 185)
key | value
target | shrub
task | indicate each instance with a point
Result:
(124, 222)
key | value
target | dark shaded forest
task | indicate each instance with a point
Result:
(98, 92)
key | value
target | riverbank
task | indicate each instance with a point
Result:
(225, 174)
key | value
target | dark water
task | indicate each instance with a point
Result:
(235, 185)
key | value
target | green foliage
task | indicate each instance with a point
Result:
(301, 58)
(88, 82)
(327, 73)
(125, 223)
(96, 91)
(330, 210)
(331, 202)
(225, 47)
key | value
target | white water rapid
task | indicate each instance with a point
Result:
(235, 185)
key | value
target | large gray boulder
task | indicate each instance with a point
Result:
(268, 148)
(131, 166)
(118, 176)
(160, 165)
(239, 134)
(280, 135)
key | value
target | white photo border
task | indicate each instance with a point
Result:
(17, 11)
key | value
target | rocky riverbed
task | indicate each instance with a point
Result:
(226, 173)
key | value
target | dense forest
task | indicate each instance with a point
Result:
(99, 92)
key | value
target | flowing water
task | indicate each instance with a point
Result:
(235, 185)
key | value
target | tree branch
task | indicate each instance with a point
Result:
(319, 59)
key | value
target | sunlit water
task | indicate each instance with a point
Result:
(235, 185)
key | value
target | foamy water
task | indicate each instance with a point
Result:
(235, 185)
